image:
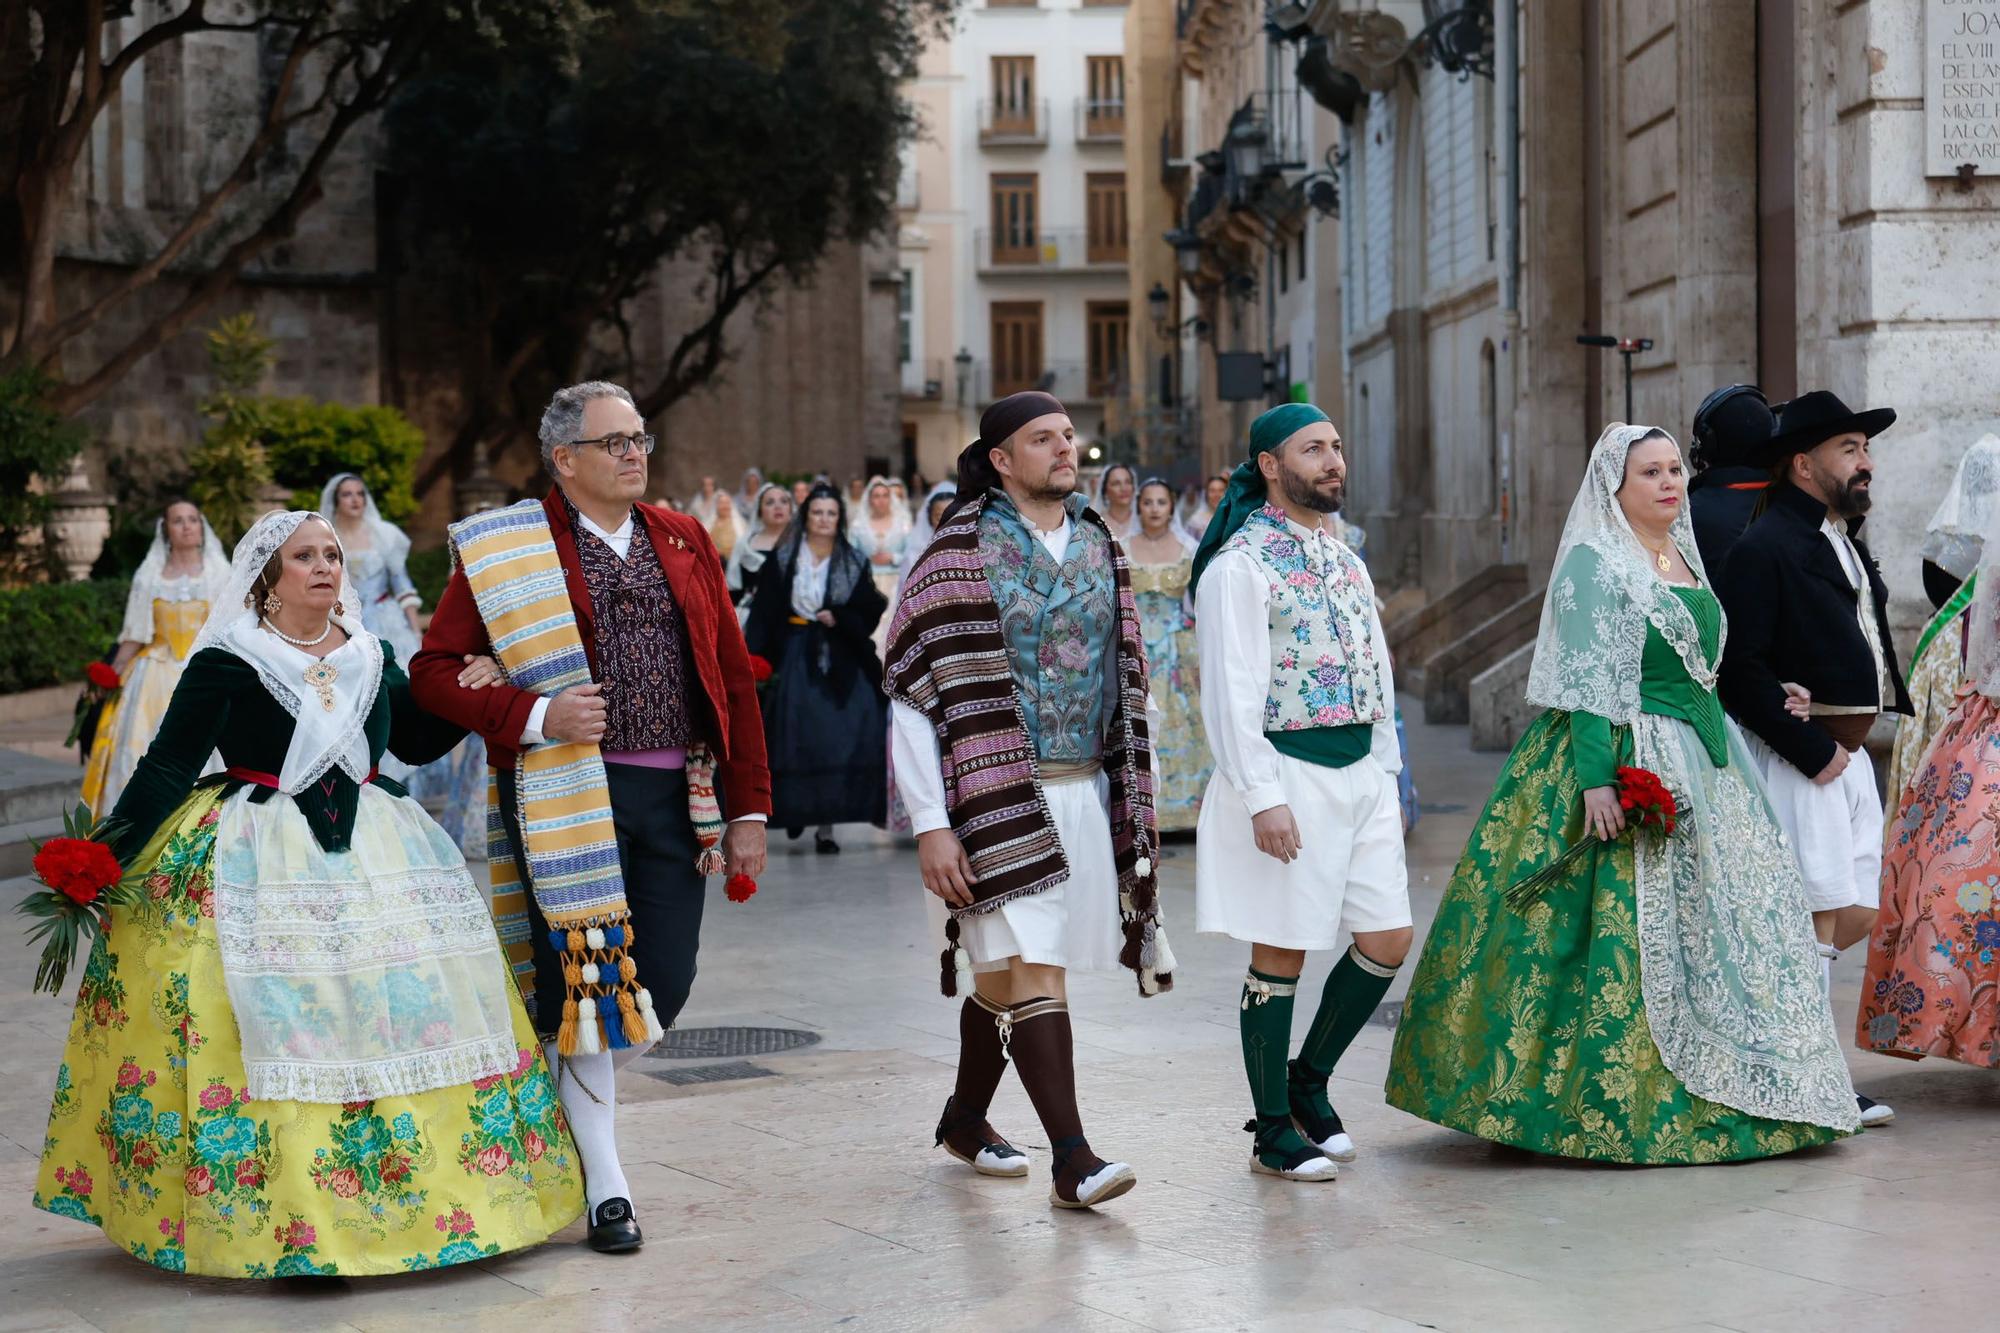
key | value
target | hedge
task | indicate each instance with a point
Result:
(54, 629)
(429, 569)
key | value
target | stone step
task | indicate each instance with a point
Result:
(35, 788)
(17, 844)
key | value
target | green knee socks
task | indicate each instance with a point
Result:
(1265, 1023)
(1354, 989)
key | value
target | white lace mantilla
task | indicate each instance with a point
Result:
(369, 973)
(1603, 594)
(1729, 967)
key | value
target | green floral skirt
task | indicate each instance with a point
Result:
(1529, 1029)
(154, 1138)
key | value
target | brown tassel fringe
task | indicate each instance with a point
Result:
(948, 960)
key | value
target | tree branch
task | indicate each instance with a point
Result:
(701, 350)
(48, 342)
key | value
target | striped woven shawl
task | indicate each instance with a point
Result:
(510, 562)
(948, 660)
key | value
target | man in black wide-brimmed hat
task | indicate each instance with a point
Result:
(1809, 624)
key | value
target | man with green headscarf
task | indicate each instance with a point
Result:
(1301, 832)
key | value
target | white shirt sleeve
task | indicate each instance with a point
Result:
(1383, 744)
(532, 733)
(1231, 610)
(913, 747)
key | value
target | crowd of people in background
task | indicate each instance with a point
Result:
(824, 628)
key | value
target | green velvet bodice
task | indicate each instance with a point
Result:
(1665, 690)
(221, 704)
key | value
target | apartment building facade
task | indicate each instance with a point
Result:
(1014, 229)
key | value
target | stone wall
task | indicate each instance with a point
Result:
(1899, 302)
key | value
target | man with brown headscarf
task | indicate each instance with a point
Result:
(1018, 682)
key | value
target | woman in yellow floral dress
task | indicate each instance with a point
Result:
(1162, 561)
(1661, 1002)
(302, 1054)
(182, 573)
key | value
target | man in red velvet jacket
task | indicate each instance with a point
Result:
(670, 669)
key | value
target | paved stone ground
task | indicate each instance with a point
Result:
(811, 1197)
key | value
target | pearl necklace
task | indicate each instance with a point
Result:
(301, 643)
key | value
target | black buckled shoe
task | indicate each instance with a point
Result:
(613, 1230)
(972, 1141)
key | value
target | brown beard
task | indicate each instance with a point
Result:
(1302, 493)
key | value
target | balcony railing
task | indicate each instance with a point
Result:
(1070, 249)
(924, 380)
(1100, 122)
(1025, 123)
(1071, 381)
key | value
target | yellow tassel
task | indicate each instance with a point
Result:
(635, 1026)
(566, 1034)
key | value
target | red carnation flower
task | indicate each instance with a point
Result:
(739, 888)
(102, 676)
(77, 868)
(760, 669)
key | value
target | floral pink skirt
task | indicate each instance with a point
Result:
(1934, 959)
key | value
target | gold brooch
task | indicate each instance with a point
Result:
(321, 675)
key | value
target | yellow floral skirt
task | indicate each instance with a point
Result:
(153, 1138)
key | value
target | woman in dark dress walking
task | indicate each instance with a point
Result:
(824, 715)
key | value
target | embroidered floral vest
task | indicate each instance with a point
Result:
(1059, 622)
(1324, 672)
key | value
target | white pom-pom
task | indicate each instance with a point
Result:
(1143, 867)
(586, 1037)
(589, 971)
(644, 1001)
(1164, 962)
(961, 960)
(594, 938)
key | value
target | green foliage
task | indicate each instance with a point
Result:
(53, 629)
(228, 472)
(308, 442)
(750, 135)
(430, 570)
(34, 442)
(295, 442)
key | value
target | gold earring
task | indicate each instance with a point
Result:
(272, 603)
(338, 609)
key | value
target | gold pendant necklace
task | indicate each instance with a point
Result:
(320, 676)
(1660, 561)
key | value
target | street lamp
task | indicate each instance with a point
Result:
(1157, 303)
(1187, 249)
(1245, 146)
(963, 361)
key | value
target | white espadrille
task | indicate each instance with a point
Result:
(1104, 1184)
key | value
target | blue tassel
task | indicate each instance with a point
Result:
(614, 1031)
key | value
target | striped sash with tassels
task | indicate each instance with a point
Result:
(510, 562)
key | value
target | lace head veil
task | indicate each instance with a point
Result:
(230, 607)
(1604, 592)
(391, 542)
(1971, 504)
(1982, 635)
(152, 573)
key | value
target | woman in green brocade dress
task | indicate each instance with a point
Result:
(1661, 1003)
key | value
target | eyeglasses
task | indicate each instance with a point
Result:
(620, 445)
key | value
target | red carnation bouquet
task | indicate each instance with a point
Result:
(739, 886)
(100, 682)
(1649, 807)
(760, 670)
(84, 882)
